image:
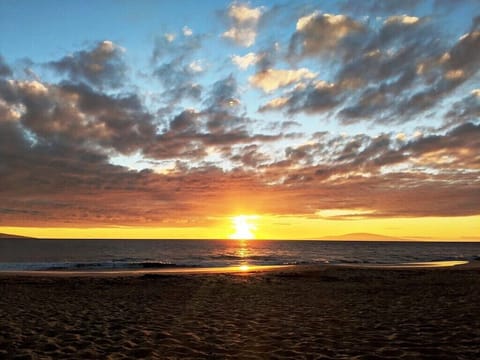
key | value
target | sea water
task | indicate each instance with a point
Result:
(99, 255)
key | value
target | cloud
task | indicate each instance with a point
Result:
(476, 93)
(55, 157)
(383, 176)
(244, 21)
(224, 94)
(401, 20)
(386, 70)
(455, 67)
(220, 123)
(403, 70)
(454, 150)
(9, 112)
(47, 179)
(176, 78)
(101, 65)
(273, 79)
(223, 110)
(396, 48)
(250, 156)
(244, 62)
(180, 49)
(465, 54)
(42, 180)
(321, 34)
(169, 37)
(4, 68)
(316, 96)
(187, 31)
(176, 68)
(58, 139)
(79, 115)
(275, 104)
(185, 121)
(368, 7)
(86, 118)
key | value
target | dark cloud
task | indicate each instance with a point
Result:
(388, 74)
(180, 48)
(455, 67)
(465, 54)
(224, 94)
(221, 123)
(323, 34)
(175, 67)
(4, 68)
(102, 65)
(223, 112)
(49, 181)
(185, 122)
(82, 117)
(388, 69)
(369, 7)
(475, 23)
(250, 156)
(457, 150)
(176, 79)
(58, 140)
(314, 97)
(379, 65)
(360, 173)
(66, 185)
(467, 109)
(193, 143)
(77, 114)
(454, 150)
(457, 147)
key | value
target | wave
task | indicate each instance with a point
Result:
(85, 266)
(215, 261)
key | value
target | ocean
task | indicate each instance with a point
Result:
(105, 255)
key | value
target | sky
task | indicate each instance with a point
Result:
(182, 119)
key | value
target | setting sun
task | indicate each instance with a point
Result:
(243, 228)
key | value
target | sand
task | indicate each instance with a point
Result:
(300, 313)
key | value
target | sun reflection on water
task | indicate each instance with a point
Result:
(243, 252)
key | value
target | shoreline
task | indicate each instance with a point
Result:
(244, 269)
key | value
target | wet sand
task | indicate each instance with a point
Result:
(295, 313)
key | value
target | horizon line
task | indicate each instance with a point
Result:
(19, 237)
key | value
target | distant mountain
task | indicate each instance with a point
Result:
(361, 236)
(10, 236)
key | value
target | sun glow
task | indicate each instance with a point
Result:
(243, 228)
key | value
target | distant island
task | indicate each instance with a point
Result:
(10, 236)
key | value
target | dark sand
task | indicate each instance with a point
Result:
(312, 313)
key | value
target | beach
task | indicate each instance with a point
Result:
(315, 312)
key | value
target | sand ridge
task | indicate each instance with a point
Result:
(327, 313)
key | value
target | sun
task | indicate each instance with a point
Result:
(243, 228)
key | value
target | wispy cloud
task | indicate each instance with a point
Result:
(244, 21)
